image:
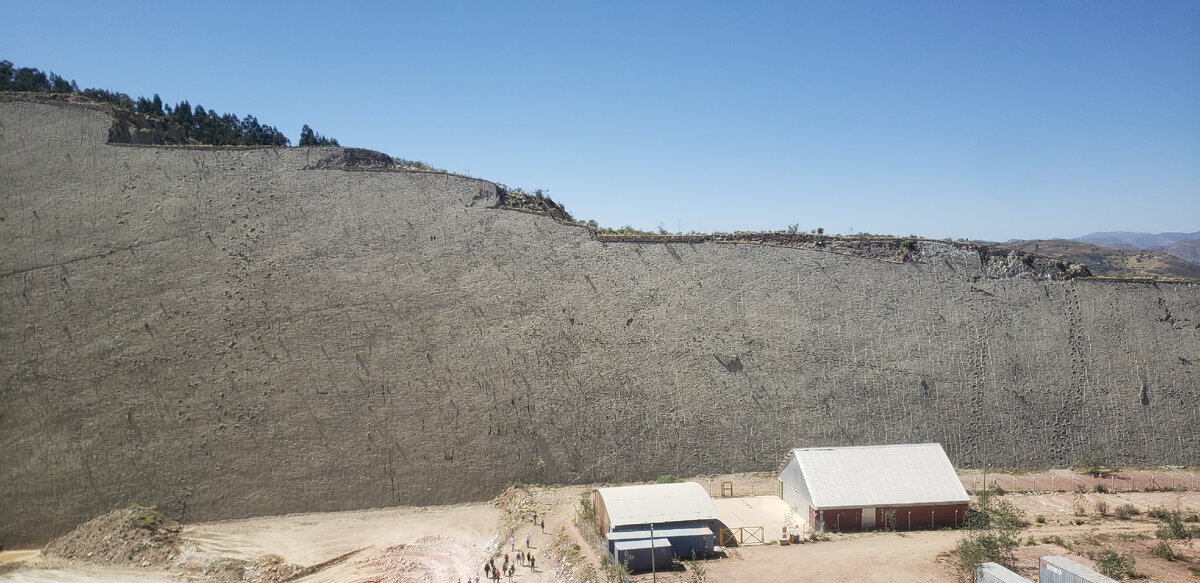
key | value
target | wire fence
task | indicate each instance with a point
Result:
(595, 539)
(1127, 481)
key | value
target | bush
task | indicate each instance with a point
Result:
(1163, 551)
(586, 510)
(1092, 461)
(984, 547)
(1056, 540)
(1117, 566)
(667, 479)
(993, 527)
(1172, 528)
(1040, 519)
(1125, 511)
(1102, 508)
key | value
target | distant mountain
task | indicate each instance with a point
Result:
(1181, 245)
(1131, 240)
(1188, 250)
(1110, 262)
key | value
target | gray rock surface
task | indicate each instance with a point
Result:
(226, 333)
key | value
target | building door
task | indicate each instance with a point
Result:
(868, 518)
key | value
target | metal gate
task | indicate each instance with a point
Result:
(741, 535)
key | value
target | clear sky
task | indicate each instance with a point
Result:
(979, 120)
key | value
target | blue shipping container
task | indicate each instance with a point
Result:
(639, 556)
(683, 540)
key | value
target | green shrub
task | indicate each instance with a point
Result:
(1125, 511)
(1040, 519)
(1056, 540)
(586, 510)
(993, 526)
(1117, 566)
(667, 479)
(1092, 461)
(1172, 528)
(1163, 550)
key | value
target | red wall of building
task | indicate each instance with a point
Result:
(914, 517)
(907, 517)
(838, 519)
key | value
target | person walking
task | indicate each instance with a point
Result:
(512, 540)
(543, 524)
(526, 540)
(531, 563)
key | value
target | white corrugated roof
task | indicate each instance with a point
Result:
(657, 504)
(880, 475)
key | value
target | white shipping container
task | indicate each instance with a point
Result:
(1061, 570)
(996, 573)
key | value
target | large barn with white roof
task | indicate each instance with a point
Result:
(884, 486)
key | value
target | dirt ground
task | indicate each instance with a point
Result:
(451, 543)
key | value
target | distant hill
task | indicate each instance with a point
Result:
(1153, 241)
(1115, 262)
(1186, 250)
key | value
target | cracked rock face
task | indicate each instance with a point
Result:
(227, 333)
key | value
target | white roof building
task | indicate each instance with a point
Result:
(864, 480)
(658, 504)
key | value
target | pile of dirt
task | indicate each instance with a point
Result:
(429, 558)
(270, 569)
(135, 536)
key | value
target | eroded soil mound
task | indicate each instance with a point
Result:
(429, 558)
(134, 536)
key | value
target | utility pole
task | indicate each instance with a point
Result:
(653, 570)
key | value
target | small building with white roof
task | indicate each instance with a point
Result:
(663, 505)
(904, 487)
(682, 513)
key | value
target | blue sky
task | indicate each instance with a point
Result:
(980, 120)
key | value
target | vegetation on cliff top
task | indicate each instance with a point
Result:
(183, 123)
(152, 121)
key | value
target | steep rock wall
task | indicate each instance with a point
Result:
(229, 333)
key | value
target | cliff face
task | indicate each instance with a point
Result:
(228, 333)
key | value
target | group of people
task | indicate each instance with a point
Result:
(523, 556)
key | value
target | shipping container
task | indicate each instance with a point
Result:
(683, 540)
(1060, 570)
(689, 543)
(643, 555)
(996, 573)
